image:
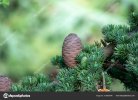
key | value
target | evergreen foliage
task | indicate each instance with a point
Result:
(125, 52)
(38, 83)
(91, 62)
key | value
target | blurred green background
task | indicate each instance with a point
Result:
(32, 31)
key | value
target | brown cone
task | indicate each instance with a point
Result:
(53, 73)
(109, 50)
(71, 48)
(5, 84)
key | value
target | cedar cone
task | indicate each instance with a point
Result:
(5, 84)
(71, 48)
(109, 50)
(53, 73)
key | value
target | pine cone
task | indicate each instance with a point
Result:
(5, 84)
(71, 48)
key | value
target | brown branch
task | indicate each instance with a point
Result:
(109, 64)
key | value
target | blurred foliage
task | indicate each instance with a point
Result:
(32, 31)
(4, 2)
